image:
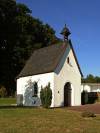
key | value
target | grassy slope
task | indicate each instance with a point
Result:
(34, 120)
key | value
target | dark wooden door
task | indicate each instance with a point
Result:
(67, 94)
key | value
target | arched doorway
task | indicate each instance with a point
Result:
(67, 94)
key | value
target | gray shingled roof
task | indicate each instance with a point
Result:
(44, 60)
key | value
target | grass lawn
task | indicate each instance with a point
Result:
(39, 120)
(7, 101)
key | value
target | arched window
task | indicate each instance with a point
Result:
(68, 61)
(35, 89)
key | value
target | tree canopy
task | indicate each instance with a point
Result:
(91, 79)
(20, 35)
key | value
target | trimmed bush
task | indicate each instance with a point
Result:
(88, 114)
(46, 96)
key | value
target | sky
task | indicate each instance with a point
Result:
(82, 17)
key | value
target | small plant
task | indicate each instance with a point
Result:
(46, 96)
(88, 114)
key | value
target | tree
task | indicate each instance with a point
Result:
(7, 41)
(91, 79)
(97, 79)
(20, 35)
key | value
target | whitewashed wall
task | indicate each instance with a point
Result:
(67, 73)
(42, 79)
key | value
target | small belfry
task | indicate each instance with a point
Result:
(65, 32)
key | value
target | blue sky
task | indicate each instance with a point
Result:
(82, 18)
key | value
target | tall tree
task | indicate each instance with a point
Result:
(7, 40)
(20, 34)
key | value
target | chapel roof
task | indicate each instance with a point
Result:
(45, 60)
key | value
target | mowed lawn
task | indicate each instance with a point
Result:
(7, 101)
(39, 120)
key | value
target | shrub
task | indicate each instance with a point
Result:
(46, 96)
(3, 91)
(88, 114)
(84, 97)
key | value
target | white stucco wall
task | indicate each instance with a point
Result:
(90, 87)
(67, 73)
(42, 79)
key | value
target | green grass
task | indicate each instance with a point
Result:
(39, 120)
(7, 101)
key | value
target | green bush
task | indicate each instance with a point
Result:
(88, 114)
(3, 91)
(84, 97)
(46, 96)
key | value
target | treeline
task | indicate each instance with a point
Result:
(91, 79)
(20, 35)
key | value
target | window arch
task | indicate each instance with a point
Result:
(35, 89)
(68, 60)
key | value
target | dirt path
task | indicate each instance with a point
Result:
(89, 107)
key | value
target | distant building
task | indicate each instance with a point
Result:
(90, 87)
